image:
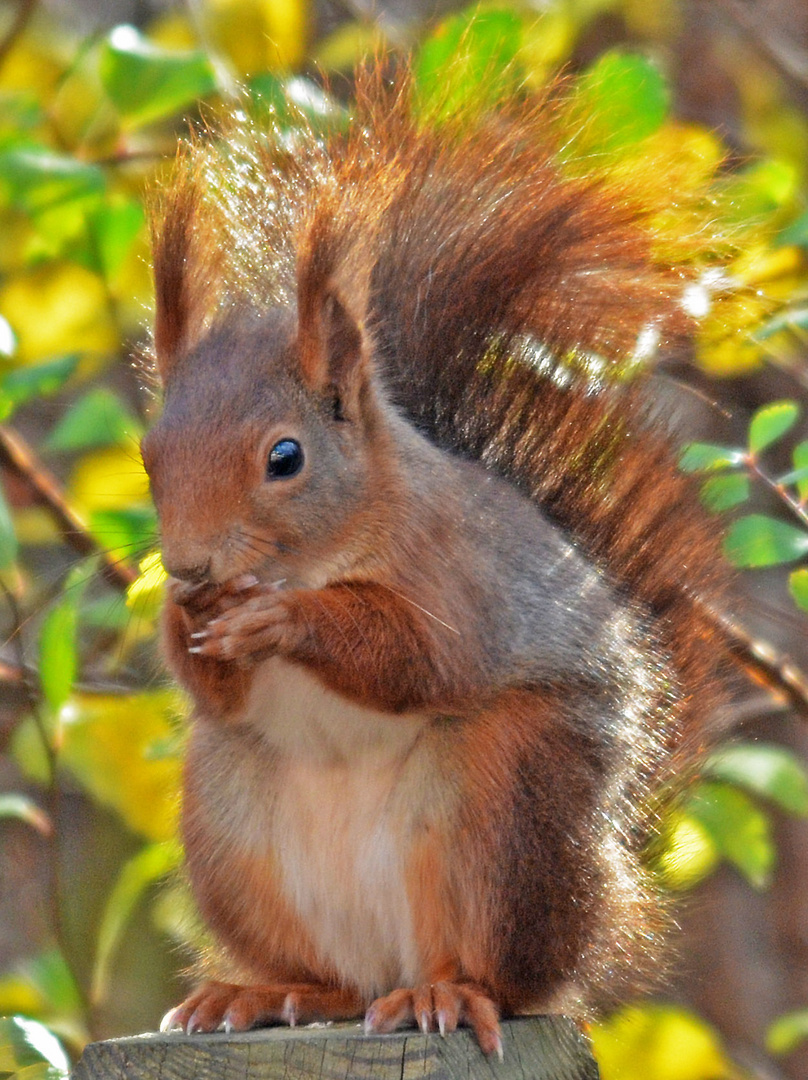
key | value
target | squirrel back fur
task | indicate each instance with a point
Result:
(453, 293)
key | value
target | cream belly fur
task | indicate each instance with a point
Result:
(347, 793)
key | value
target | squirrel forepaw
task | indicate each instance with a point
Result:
(439, 1006)
(262, 624)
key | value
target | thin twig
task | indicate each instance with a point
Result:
(795, 507)
(762, 661)
(19, 676)
(22, 458)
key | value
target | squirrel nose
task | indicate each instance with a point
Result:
(194, 574)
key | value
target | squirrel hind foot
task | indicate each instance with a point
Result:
(233, 1007)
(440, 1007)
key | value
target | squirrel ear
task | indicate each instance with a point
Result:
(187, 260)
(333, 354)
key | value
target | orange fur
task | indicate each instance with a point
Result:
(443, 667)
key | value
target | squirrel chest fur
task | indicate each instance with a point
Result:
(434, 595)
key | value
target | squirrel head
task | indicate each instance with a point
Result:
(260, 460)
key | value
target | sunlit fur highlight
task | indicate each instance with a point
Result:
(465, 280)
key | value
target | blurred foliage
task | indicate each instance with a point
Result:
(87, 124)
(754, 539)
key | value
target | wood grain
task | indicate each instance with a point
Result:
(536, 1048)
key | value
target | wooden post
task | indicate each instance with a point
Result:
(535, 1048)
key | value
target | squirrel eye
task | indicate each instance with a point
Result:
(285, 460)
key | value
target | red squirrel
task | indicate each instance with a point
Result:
(437, 590)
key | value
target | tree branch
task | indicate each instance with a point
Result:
(16, 453)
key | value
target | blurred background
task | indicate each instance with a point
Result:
(95, 926)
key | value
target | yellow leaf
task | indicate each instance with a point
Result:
(33, 64)
(145, 595)
(724, 343)
(56, 309)
(343, 49)
(18, 995)
(109, 479)
(690, 154)
(173, 30)
(111, 744)
(258, 35)
(547, 43)
(689, 854)
(760, 265)
(659, 1042)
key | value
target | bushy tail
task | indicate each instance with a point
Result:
(501, 282)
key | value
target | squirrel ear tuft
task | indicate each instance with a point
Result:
(171, 241)
(334, 353)
(187, 258)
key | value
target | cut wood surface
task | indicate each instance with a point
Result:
(535, 1048)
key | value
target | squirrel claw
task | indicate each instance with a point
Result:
(169, 1022)
(442, 1006)
(237, 1008)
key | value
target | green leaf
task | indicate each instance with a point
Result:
(793, 318)
(796, 476)
(37, 179)
(97, 419)
(58, 661)
(469, 58)
(623, 97)
(147, 83)
(58, 655)
(754, 193)
(14, 805)
(739, 829)
(787, 1032)
(38, 380)
(770, 423)
(111, 229)
(757, 540)
(798, 587)
(8, 534)
(149, 865)
(127, 531)
(708, 457)
(28, 1049)
(723, 492)
(282, 102)
(50, 975)
(800, 459)
(796, 232)
(21, 113)
(798, 318)
(764, 769)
